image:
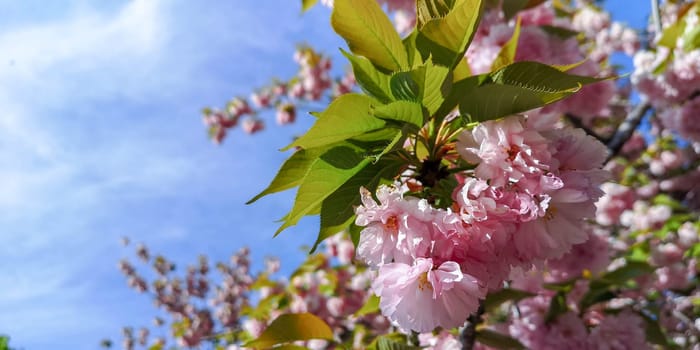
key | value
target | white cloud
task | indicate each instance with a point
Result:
(52, 180)
(87, 40)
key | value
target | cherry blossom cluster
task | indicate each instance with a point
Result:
(546, 37)
(186, 299)
(668, 73)
(521, 204)
(238, 305)
(404, 12)
(312, 83)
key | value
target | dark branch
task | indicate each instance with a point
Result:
(576, 121)
(468, 335)
(625, 130)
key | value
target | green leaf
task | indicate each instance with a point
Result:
(693, 251)
(369, 32)
(371, 306)
(664, 199)
(564, 286)
(427, 10)
(290, 347)
(496, 101)
(597, 292)
(388, 342)
(347, 116)
(517, 88)
(560, 32)
(156, 346)
(354, 232)
(601, 289)
(457, 92)
(512, 7)
(556, 307)
(402, 111)
(330, 171)
(436, 85)
(691, 39)
(409, 43)
(312, 263)
(507, 54)
(498, 340)
(495, 299)
(404, 87)
(307, 4)
(540, 77)
(292, 172)
(446, 38)
(632, 269)
(428, 84)
(461, 71)
(654, 333)
(338, 210)
(292, 327)
(671, 34)
(372, 81)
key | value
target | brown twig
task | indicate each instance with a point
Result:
(576, 122)
(468, 335)
(625, 130)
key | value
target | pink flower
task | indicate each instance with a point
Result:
(252, 125)
(442, 341)
(507, 151)
(481, 248)
(573, 149)
(421, 297)
(567, 331)
(624, 331)
(286, 114)
(396, 229)
(616, 200)
(592, 255)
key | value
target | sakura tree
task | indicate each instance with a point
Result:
(484, 180)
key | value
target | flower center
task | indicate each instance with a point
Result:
(392, 224)
(551, 211)
(513, 152)
(423, 283)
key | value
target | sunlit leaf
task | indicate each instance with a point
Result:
(328, 173)
(338, 210)
(446, 38)
(494, 299)
(402, 111)
(370, 79)
(371, 306)
(498, 340)
(507, 54)
(307, 4)
(292, 172)
(427, 10)
(369, 32)
(347, 116)
(556, 307)
(516, 88)
(292, 327)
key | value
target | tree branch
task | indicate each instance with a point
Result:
(468, 334)
(625, 130)
(576, 122)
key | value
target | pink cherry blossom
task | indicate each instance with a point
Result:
(396, 229)
(506, 150)
(421, 297)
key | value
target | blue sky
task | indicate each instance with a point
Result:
(100, 137)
